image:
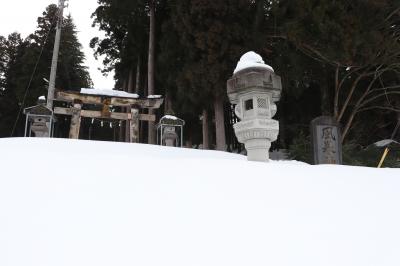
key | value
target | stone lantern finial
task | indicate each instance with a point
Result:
(254, 88)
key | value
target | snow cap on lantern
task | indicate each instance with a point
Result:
(251, 59)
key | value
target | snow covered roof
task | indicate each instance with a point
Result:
(180, 207)
(170, 119)
(251, 59)
(40, 109)
(154, 96)
(385, 142)
(107, 92)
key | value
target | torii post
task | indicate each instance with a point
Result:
(79, 100)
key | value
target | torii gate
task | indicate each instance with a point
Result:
(134, 104)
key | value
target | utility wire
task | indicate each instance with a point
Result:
(31, 78)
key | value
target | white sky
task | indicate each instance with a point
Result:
(21, 16)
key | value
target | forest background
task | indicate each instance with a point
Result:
(337, 58)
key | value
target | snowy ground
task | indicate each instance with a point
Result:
(80, 203)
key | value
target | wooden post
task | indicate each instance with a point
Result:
(75, 121)
(134, 125)
(128, 128)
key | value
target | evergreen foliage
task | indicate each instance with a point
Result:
(338, 58)
(26, 63)
(332, 59)
(359, 57)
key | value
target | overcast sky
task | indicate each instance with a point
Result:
(21, 16)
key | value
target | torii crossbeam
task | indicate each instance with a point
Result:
(132, 115)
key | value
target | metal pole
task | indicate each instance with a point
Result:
(51, 127)
(181, 136)
(26, 125)
(53, 73)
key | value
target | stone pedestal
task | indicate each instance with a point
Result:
(170, 138)
(254, 88)
(40, 128)
(257, 149)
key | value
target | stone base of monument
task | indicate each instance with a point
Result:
(257, 135)
(258, 150)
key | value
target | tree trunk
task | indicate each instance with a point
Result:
(127, 127)
(137, 83)
(348, 98)
(121, 135)
(189, 143)
(348, 125)
(336, 98)
(168, 103)
(257, 23)
(150, 70)
(144, 124)
(128, 109)
(206, 137)
(122, 132)
(220, 138)
(325, 100)
(130, 81)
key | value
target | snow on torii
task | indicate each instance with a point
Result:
(105, 99)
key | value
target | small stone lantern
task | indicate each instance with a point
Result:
(254, 88)
(39, 120)
(170, 131)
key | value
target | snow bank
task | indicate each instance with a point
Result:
(251, 59)
(81, 203)
(112, 93)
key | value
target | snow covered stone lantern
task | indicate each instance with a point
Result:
(254, 88)
(170, 131)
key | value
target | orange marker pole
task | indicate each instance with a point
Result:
(385, 153)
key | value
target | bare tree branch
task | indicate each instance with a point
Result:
(379, 107)
(348, 98)
(378, 96)
(337, 89)
(384, 88)
(392, 14)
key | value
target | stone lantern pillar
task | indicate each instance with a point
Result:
(254, 89)
(170, 131)
(170, 137)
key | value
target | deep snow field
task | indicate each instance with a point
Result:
(85, 203)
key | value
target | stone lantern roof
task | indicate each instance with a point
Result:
(39, 109)
(253, 74)
(171, 120)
